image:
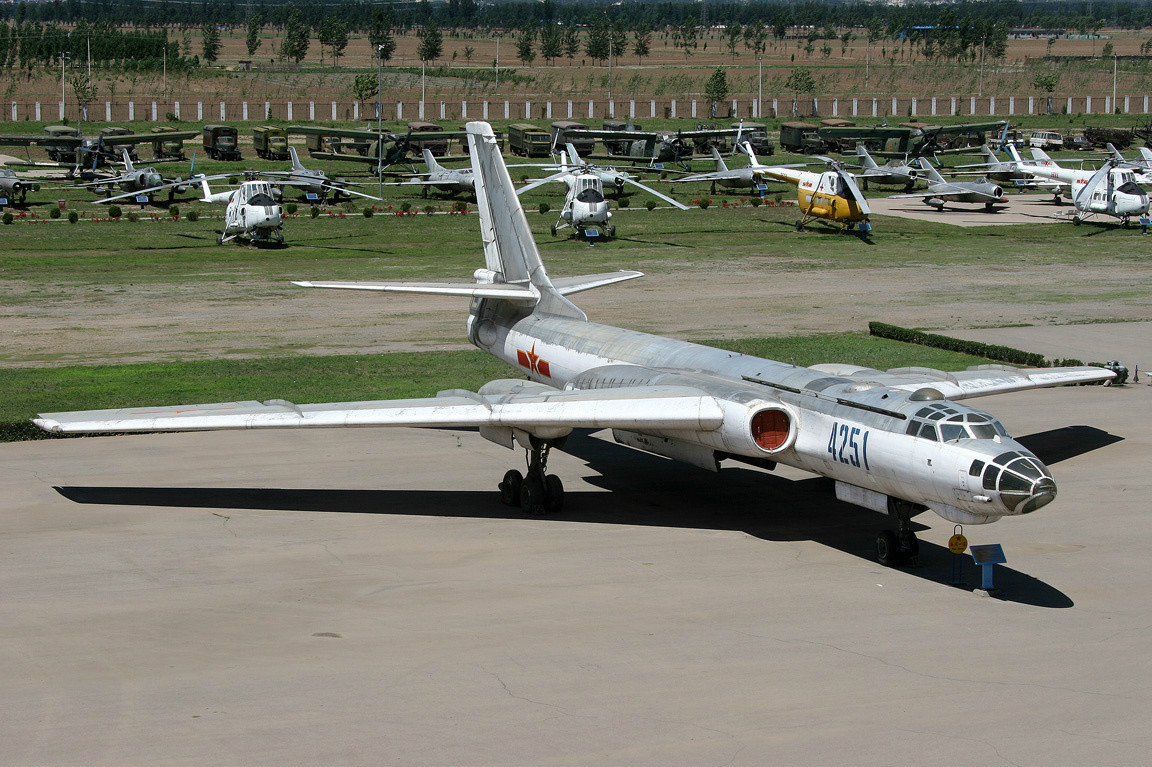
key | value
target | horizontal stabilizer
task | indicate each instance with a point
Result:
(471, 289)
(570, 285)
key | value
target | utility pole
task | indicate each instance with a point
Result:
(497, 61)
(1114, 59)
(379, 119)
(63, 57)
(760, 86)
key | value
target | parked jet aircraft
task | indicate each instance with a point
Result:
(1142, 166)
(832, 195)
(893, 442)
(12, 186)
(1109, 191)
(940, 190)
(652, 147)
(1002, 171)
(312, 181)
(748, 177)
(891, 173)
(135, 181)
(451, 180)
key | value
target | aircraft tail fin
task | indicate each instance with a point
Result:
(866, 161)
(1112, 150)
(127, 161)
(1146, 154)
(933, 174)
(1014, 153)
(430, 161)
(573, 155)
(206, 189)
(1040, 156)
(509, 247)
(721, 166)
(988, 155)
(296, 164)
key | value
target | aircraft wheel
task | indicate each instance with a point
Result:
(532, 495)
(1124, 222)
(554, 495)
(553, 230)
(1076, 220)
(220, 240)
(510, 488)
(800, 225)
(888, 549)
(1059, 200)
(612, 230)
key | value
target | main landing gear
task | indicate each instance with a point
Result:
(537, 493)
(901, 547)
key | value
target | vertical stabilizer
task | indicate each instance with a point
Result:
(296, 165)
(509, 247)
(988, 155)
(1040, 156)
(721, 166)
(127, 161)
(430, 161)
(933, 174)
(866, 161)
(1014, 153)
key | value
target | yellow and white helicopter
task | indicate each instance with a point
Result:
(831, 196)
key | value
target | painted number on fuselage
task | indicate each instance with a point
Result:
(849, 444)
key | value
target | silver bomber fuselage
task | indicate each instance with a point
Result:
(846, 429)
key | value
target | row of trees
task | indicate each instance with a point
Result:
(358, 15)
(24, 46)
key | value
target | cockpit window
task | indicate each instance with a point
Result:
(928, 431)
(590, 195)
(990, 476)
(954, 424)
(951, 431)
(977, 467)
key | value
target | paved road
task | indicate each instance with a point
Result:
(361, 597)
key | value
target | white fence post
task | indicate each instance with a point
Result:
(223, 111)
(108, 111)
(131, 111)
(855, 107)
(672, 113)
(333, 111)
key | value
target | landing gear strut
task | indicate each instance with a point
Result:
(900, 547)
(537, 493)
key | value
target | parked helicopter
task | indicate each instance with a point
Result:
(1109, 191)
(831, 196)
(251, 212)
(584, 202)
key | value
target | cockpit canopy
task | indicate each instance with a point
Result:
(257, 193)
(943, 422)
(590, 195)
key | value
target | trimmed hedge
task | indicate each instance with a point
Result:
(975, 348)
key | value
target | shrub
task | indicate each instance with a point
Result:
(193, 215)
(429, 209)
(314, 212)
(755, 201)
(291, 208)
(704, 202)
(174, 211)
(460, 206)
(975, 348)
(544, 208)
(650, 204)
(114, 211)
(73, 217)
(133, 216)
(368, 211)
(7, 217)
(624, 202)
(54, 213)
(405, 207)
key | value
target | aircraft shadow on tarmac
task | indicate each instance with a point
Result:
(646, 490)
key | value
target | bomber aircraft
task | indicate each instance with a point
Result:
(899, 442)
(941, 190)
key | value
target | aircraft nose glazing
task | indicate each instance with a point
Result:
(1023, 483)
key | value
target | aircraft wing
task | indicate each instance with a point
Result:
(619, 135)
(148, 138)
(522, 405)
(978, 381)
(506, 291)
(947, 189)
(720, 175)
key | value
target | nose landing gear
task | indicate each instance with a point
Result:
(537, 493)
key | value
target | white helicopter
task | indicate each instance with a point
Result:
(1109, 191)
(584, 203)
(252, 211)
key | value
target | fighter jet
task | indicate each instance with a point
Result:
(12, 186)
(136, 181)
(1002, 171)
(451, 180)
(899, 442)
(941, 191)
(313, 182)
(749, 177)
(891, 173)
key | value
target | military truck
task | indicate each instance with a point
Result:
(800, 138)
(166, 148)
(65, 152)
(422, 135)
(271, 142)
(527, 140)
(220, 142)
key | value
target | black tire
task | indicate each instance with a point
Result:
(554, 501)
(553, 230)
(612, 230)
(799, 225)
(532, 498)
(1076, 221)
(888, 549)
(510, 487)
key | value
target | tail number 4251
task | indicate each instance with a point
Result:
(849, 444)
